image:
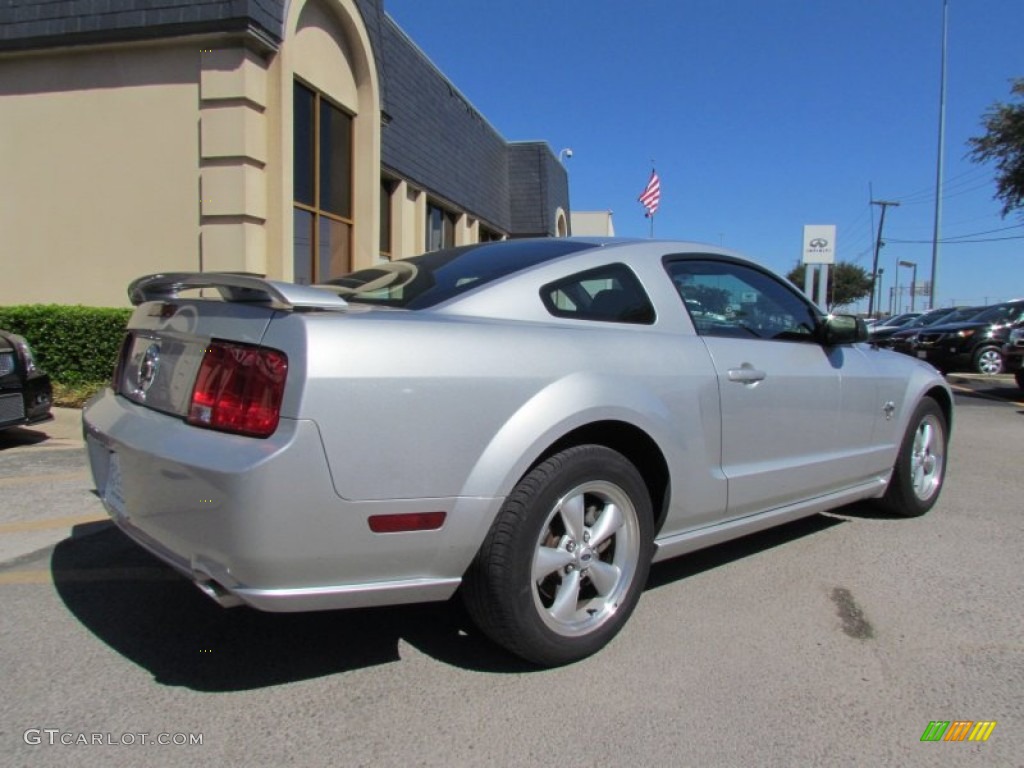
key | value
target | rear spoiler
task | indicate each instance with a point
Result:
(234, 286)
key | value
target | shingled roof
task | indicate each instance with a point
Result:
(34, 24)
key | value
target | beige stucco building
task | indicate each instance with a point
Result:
(297, 140)
(593, 224)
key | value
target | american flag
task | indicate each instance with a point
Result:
(651, 195)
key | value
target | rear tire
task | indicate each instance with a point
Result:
(920, 468)
(566, 559)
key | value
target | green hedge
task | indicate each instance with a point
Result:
(75, 345)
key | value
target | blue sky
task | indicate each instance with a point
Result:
(760, 115)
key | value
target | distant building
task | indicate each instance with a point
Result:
(592, 224)
(298, 140)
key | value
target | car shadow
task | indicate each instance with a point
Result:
(864, 510)
(986, 389)
(16, 437)
(154, 617)
(677, 569)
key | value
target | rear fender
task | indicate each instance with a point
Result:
(542, 421)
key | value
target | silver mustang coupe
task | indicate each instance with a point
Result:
(531, 422)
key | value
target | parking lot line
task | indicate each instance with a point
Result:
(51, 522)
(40, 576)
(971, 391)
(78, 474)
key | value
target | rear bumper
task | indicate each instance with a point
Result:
(259, 522)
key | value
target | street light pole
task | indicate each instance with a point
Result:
(913, 280)
(875, 272)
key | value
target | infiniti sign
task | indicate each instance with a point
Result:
(819, 244)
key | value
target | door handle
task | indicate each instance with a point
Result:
(746, 374)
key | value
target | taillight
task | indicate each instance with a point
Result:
(239, 389)
(126, 344)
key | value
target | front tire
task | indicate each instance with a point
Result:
(989, 361)
(566, 559)
(920, 468)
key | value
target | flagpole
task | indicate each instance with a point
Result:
(653, 172)
(650, 197)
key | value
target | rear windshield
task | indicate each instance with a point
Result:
(423, 281)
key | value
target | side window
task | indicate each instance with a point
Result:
(608, 294)
(733, 300)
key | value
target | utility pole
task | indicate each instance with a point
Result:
(878, 246)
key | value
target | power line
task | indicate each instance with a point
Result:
(986, 232)
(954, 238)
(928, 194)
(957, 242)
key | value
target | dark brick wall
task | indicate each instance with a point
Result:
(538, 186)
(435, 137)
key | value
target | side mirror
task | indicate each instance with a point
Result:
(843, 329)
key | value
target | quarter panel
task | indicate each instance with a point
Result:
(418, 404)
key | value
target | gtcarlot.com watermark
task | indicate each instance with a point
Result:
(53, 736)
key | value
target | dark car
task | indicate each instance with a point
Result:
(895, 321)
(880, 334)
(1013, 355)
(25, 391)
(905, 339)
(975, 344)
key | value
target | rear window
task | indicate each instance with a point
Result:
(423, 281)
(609, 294)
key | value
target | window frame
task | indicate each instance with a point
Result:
(741, 331)
(386, 246)
(611, 271)
(315, 210)
(448, 219)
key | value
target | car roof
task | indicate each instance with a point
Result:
(437, 277)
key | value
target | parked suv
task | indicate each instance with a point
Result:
(1013, 355)
(905, 339)
(880, 334)
(975, 344)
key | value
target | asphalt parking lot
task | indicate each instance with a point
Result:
(835, 640)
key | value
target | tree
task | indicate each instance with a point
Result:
(846, 282)
(1003, 143)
